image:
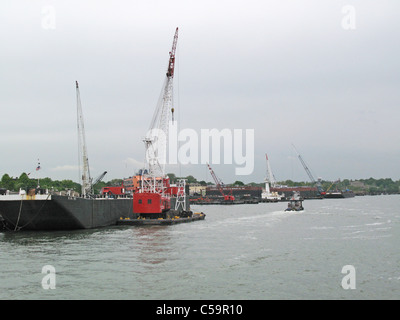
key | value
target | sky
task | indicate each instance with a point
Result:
(322, 75)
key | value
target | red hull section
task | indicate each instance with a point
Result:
(113, 190)
(147, 202)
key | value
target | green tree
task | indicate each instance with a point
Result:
(115, 182)
(7, 182)
(25, 183)
(191, 179)
(46, 183)
(172, 177)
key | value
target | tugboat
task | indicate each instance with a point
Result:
(295, 203)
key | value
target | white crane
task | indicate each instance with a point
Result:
(269, 180)
(156, 139)
(270, 176)
(84, 171)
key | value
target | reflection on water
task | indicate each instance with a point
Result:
(154, 243)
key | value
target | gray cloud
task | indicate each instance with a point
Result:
(286, 69)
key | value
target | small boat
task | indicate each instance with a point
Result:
(295, 203)
(340, 194)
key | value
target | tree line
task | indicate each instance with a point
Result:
(25, 183)
(368, 186)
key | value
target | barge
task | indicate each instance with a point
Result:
(340, 194)
(61, 212)
(161, 221)
(154, 201)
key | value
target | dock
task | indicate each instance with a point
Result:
(175, 220)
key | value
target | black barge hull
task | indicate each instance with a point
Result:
(161, 222)
(64, 213)
(339, 195)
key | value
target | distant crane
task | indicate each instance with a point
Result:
(220, 186)
(97, 180)
(317, 183)
(270, 176)
(84, 171)
(334, 182)
(269, 179)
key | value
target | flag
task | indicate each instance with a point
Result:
(38, 167)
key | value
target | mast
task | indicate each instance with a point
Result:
(84, 172)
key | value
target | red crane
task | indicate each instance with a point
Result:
(171, 64)
(220, 185)
(153, 197)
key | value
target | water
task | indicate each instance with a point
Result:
(248, 252)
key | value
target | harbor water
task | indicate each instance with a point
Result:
(246, 252)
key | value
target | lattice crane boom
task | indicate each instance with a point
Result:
(317, 183)
(220, 185)
(156, 140)
(84, 171)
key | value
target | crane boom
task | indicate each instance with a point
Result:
(153, 199)
(171, 64)
(220, 185)
(306, 168)
(156, 140)
(217, 181)
(270, 176)
(317, 183)
(84, 171)
(99, 178)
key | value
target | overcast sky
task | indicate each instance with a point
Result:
(323, 75)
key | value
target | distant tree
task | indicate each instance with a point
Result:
(24, 178)
(238, 183)
(346, 182)
(46, 183)
(172, 177)
(373, 190)
(25, 183)
(7, 182)
(114, 182)
(191, 179)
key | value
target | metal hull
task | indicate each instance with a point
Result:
(338, 195)
(63, 212)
